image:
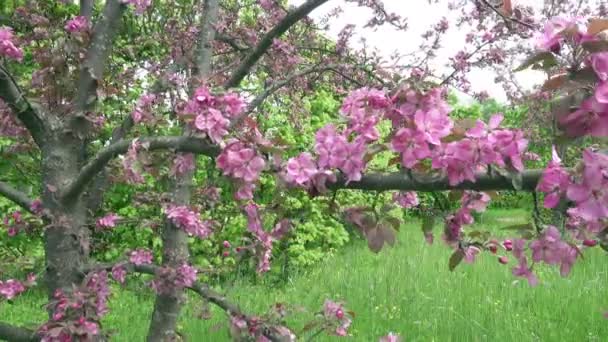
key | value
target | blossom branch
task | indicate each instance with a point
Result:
(95, 165)
(287, 22)
(14, 98)
(12, 333)
(16, 196)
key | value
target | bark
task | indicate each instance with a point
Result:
(16, 196)
(66, 238)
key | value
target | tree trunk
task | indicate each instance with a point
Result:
(66, 238)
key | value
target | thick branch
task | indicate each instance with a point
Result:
(233, 42)
(94, 64)
(12, 95)
(16, 196)
(290, 19)
(95, 165)
(404, 182)
(86, 8)
(16, 334)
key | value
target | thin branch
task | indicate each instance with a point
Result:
(287, 22)
(94, 64)
(12, 333)
(16, 196)
(12, 95)
(258, 100)
(233, 42)
(507, 18)
(95, 165)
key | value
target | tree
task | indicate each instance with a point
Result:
(209, 66)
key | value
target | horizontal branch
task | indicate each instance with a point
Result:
(405, 182)
(12, 333)
(233, 42)
(16, 196)
(103, 157)
(287, 22)
(12, 95)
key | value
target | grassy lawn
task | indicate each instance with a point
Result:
(406, 289)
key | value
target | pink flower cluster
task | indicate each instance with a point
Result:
(336, 316)
(77, 24)
(77, 313)
(8, 45)
(183, 163)
(141, 256)
(242, 162)
(143, 109)
(14, 223)
(169, 279)
(471, 201)
(189, 221)
(11, 288)
(213, 113)
(406, 199)
(108, 221)
(264, 240)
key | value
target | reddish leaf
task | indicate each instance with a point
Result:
(596, 46)
(555, 82)
(387, 233)
(596, 26)
(375, 240)
(507, 7)
(455, 259)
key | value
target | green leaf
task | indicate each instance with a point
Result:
(455, 259)
(545, 57)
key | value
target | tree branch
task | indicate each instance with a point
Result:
(21, 107)
(290, 19)
(233, 42)
(12, 333)
(258, 100)
(16, 196)
(86, 8)
(94, 64)
(404, 182)
(507, 18)
(95, 165)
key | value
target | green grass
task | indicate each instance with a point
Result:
(406, 289)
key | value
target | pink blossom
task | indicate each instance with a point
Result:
(77, 24)
(241, 162)
(599, 62)
(189, 221)
(8, 47)
(459, 160)
(182, 164)
(36, 207)
(590, 119)
(334, 312)
(140, 257)
(213, 123)
(143, 108)
(11, 288)
(406, 199)
(131, 164)
(108, 221)
(119, 273)
(349, 159)
(522, 270)
(412, 145)
(234, 105)
(554, 181)
(244, 192)
(552, 250)
(434, 124)
(327, 145)
(185, 275)
(301, 169)
(470, 253)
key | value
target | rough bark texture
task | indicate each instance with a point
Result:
(66, 237)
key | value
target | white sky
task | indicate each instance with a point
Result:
(421, 15)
